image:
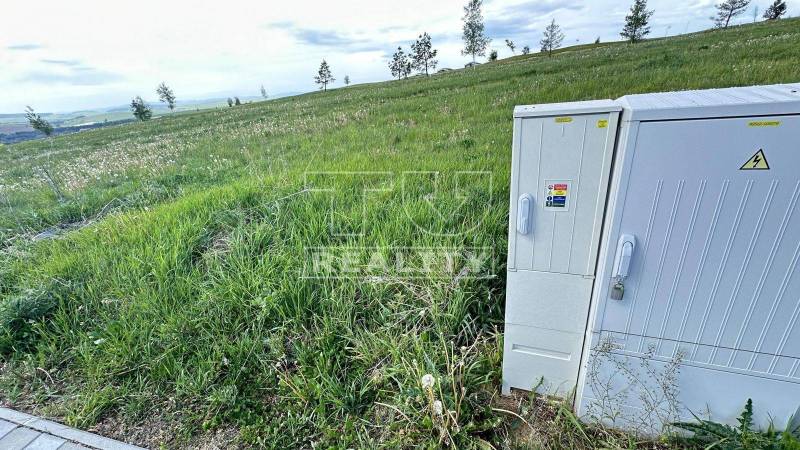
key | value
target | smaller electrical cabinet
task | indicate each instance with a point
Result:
(562, 161)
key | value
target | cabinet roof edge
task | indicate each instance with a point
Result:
(777, 99)
(567, 108)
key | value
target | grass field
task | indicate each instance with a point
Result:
(172, 306)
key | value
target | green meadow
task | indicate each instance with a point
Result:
(286, 273)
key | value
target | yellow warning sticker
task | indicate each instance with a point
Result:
(765, 123)
(602, 123)
(756, 162)
(563, 119)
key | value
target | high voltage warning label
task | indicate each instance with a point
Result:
(756, 162)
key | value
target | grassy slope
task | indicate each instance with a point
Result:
(184, 302)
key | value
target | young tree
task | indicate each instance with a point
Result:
(347, 80)
(236, 101)
(230, 102)
(493, 55)
(140, 109)
(776, 10)
(526, 50)
(393, 63)
(510, 44)
(165, 95)
(475, 41)
(324, 76)
(37, 122)
(423, 55)
(552, 39)
(637, 22)
(264, 92)
(727, 10)
(399, 64)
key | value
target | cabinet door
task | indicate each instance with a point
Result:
(561, 169)
(713, 206)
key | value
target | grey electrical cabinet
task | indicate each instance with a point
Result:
(561, 161)
(679, 260)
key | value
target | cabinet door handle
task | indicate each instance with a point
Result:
(524, 209)
(625, 249)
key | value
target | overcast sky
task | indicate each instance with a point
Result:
(81, 54)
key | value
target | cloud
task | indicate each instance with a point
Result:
(536, 8)
(76, 76)
(509, 26)
(61, 62)
(392, 29)
(328, 38)
(324, 38)
(24, 47)
(520, 19)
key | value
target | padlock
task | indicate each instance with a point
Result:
(617, 291)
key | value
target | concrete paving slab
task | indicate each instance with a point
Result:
(18, 439)
(6, 427)
(18, 426)
(72, 446)
(46, 442)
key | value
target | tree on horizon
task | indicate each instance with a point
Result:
(552, 39)
(776, 10)
(727, 10)
(37, 122)
(423, 55)
(510, 44)
(400, 65)
(263, 92)
(165, 95)
(324, 76)
(140, 109)
(475, 41)
(637, 23)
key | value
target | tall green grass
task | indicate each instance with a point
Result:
(181, 297)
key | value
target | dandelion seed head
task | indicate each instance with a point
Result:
(428, 381)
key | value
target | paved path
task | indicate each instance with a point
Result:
(20, 431)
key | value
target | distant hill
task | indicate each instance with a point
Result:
(27, 133)
(14, 126)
